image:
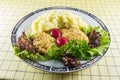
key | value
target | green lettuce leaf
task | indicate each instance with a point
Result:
(28, 54)
(76, 48)
(104, 41)
(79, 49)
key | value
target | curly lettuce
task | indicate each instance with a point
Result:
(28, 54)
(104, 39)
(80, 49)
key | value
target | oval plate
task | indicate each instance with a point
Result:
(52, 65)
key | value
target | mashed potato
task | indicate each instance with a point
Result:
(56, 19)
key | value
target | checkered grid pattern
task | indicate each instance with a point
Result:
(11, 67)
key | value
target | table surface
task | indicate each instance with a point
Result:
(11, 67)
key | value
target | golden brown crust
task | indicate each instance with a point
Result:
(74, 34)
(43, 41)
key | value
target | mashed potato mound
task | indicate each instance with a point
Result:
(43, 41)
(74, 34)
(56, 19)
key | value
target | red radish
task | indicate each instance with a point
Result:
(55, 33)
(61, 41)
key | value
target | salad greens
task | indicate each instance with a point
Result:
(80, 49)
(104, 40)
(28, 54)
